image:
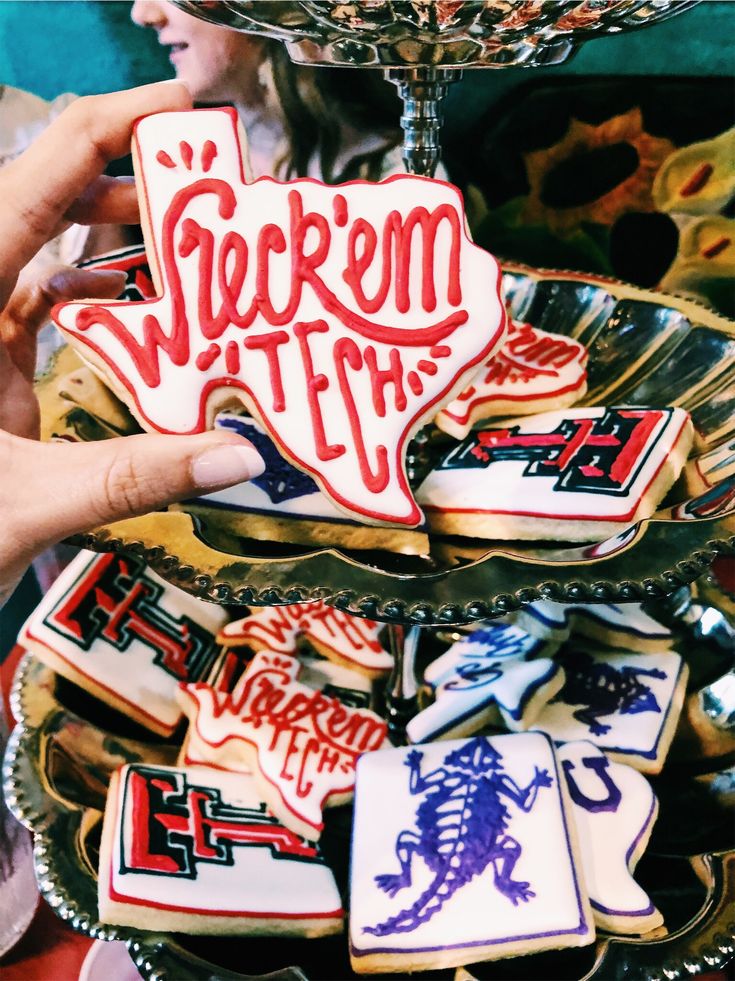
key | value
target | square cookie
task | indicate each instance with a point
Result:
(626, 704)
(197, 850)
(112, 626)
(577, 475)
(474, 859)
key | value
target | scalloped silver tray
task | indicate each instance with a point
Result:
(66, 745)
(645, 347)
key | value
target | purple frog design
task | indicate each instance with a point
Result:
(462, 828)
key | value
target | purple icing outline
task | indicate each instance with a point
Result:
(580, 929)
(580, 611)
(647, 825)
(530, 692)
(643, 754)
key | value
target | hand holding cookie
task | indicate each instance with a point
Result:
(50, 491)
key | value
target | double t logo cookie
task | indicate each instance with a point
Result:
(343, 317)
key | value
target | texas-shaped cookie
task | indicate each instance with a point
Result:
(300, 744)
(342, 317)
(495, 676)
(534, 371)
(344, 639)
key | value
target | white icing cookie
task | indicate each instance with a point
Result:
(614, 811)
(342, 317)
(626, 704)
(344, 639)
(350, 687)
(300, 744)
(197, 851)
(494, 676)
(117, 630)
(285, 505)
(577, 475)
(623, 625)
(474, 858)
(534, 371)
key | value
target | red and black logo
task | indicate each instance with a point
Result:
(115, 601)
(176, 825)
(590, 456)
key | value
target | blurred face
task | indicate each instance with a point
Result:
(216, 63)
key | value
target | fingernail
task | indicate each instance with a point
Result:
(226, 464)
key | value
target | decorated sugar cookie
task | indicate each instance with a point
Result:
(300, 744)
(343, 317)
(576, 475)
(623, 625)
(614, 812)
(344, 639)
(626, 704)
(474, 859)
(496, 675)
(197, 851)
(534, 371)
(284, 504)
(350, 687)
(113, 627)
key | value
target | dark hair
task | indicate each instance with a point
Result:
(318, 102)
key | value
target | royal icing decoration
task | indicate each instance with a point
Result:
(493, 676)
(115, 628)
(623, 625)
(577, 475)
(197, 851)
(627, 704)
(614, 813)
(533, 371)
(336, 635)
(343, 317)
(300, 744)
(474, 858)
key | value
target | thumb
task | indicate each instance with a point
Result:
(52, 490)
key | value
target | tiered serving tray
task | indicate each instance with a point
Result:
(646, 348)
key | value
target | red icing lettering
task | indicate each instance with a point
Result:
(314, 385)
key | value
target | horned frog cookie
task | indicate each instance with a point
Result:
(495, 676)
(534, 371)
(342, 638)
(300, 744)
(626, 704)
(621, 625)
(342, 317)
(614, 812)
(474, 859)
(113, 627)
(284, 504)
(197, 851)
(576, 475)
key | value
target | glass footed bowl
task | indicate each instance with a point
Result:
(645, 348)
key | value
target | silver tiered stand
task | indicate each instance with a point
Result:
(422, 47)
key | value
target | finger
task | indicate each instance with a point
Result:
(107, 200)
(53, 490)
(36, 293)
(38, 188)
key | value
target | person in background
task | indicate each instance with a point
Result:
(333, 124)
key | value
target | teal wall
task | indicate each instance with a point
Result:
(89, 46)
